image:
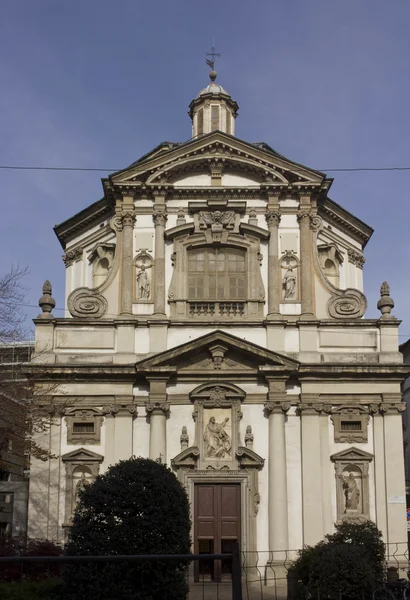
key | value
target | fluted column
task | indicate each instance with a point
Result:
(160, 219)
(157, 408)
(274, 283)
(278, 498)
(127, 222)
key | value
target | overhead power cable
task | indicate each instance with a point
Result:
(113, 170)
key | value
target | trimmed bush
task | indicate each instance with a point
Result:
(137, 507)
(348, 564)
(51, 589)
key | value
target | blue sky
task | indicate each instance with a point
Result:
(98, 83)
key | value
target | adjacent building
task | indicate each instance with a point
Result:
(215, 321)
(14, 460)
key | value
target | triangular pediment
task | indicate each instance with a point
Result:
(216, 351)
(82, 454)
(262, 164)
(352, 454)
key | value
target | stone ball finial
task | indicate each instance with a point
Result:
(385, 304)
(212, 75)
(46, 302)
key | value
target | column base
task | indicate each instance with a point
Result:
(276, 577)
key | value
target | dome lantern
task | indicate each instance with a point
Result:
(213, 108)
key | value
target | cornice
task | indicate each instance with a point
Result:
(69, 229)
(335, 214)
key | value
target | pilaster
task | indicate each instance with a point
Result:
(124, 412)
(276, 407)
(54, 483)
(306, 272)
(160, 219)
(157, 409)
(274, 284)
(312, 499)
(127, 220)
(392, 407)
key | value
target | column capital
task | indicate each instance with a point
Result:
(72, 256)
(314, 408)
(277, 407)
(303, 217)
(272, 218)
(392, 408)
(120, 410)
(159, 217)
(128, 218)
(157, 407)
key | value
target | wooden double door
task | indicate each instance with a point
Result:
(217, 523)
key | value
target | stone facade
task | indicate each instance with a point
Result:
(215, 320)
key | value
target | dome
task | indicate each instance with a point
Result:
(213, 88)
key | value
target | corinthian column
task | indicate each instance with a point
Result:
(305, 263)
(157, 409)
(278, 498)
(274, 284)
(127, 222)
(160, 219)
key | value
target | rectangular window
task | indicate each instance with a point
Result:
(83, 427)
(351, 426)
(214, 118)
(200, 121)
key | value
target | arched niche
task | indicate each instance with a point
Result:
(101, 259)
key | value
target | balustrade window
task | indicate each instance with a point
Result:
(216, 274)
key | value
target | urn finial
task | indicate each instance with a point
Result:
(46, 302)
(385, 304)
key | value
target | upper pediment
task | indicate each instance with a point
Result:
(190, 164)
(215, 352)
(82, 454)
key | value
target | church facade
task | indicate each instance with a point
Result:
(215, 321)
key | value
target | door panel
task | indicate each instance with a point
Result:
(216, 525)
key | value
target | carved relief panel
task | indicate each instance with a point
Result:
(217, 413)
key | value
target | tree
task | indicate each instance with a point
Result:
(25, 406)
(137, 507)
(347, 564)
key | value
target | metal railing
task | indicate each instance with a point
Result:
(27, 569)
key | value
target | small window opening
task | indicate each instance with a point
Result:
(83, 428)
(351, 426)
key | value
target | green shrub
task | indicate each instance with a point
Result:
(51, 589)
(137, 507)
(347, 564)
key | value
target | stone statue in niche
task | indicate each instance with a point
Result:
(289, 264)
(217, 442)
(143, 263)
(289, 283)
(351, 492)
(143, 284)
